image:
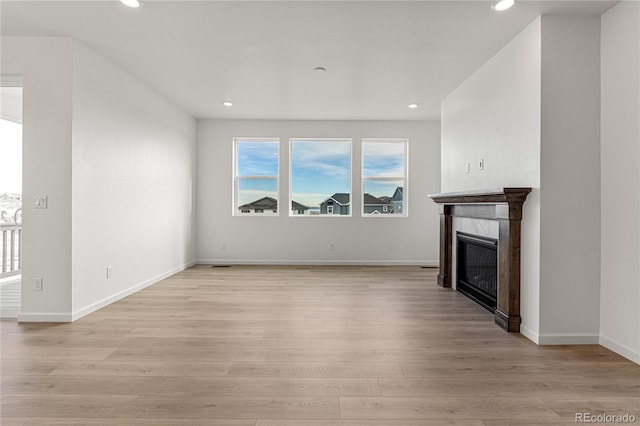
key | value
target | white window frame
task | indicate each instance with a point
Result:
(328, 140)
(236, 178)
(404, 179)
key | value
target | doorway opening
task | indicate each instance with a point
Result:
(10, 199)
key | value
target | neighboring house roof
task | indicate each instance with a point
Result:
(266, 203)
(385, 199)
(297, 206)
(341, 198)
(370, 199)
(270, 203)
(399, 192)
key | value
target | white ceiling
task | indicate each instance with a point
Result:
(379, 55)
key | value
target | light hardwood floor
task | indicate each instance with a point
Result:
(301, 346)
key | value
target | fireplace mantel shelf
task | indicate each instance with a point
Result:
(505, 206)
(504, 195)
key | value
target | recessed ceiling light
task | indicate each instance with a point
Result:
(227, 103)
(132, 3)
(320, 69)
(503, 5)
(413, 106)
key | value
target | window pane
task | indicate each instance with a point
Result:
(257, 158)
(257, 196)
(321, 175)
(383, 159)
(383, 197)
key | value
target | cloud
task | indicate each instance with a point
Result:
(257, 158)
(321, 158)
(383, 159)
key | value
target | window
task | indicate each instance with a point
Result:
(384, 177)
(256, 176)
(321, 176)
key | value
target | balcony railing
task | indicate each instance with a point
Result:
(10, 250)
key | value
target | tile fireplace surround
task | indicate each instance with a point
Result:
(504, 206)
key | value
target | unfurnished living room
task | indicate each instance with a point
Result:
(319, 213)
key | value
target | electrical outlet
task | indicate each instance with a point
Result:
(223, 246)
(332, 246)
(37, 284)
(109, 271)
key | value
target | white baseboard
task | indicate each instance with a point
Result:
(9, 313)
(559, 338)
(530, 334)
(568, 339)
(59, 317)
(621, 350)
(428, 263)
(131, 290)
(44, 317)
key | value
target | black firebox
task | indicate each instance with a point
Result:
(477, 269)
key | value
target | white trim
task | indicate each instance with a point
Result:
(530, 334)
(428, 263)
(330, 140)
(45, 317)
(11, 80)
(9, 313)
(59, 317)
(404, 179)
(568, 339)
(621, 350)
(134, 289)
(235, 178)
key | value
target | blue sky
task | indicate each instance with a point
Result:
(319, 169)
(383, 159)
(257, 158)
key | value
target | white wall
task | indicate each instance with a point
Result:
(117, 163)
(620, 150)
(570, 180)
(495, 116)
(532, 113)
(291, 240)
(45, 65)
(133, 184)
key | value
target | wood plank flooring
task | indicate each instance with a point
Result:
(301, 346)
(10, 297)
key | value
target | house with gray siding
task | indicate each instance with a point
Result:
(376, 205)
(397, 200)
(339, 203)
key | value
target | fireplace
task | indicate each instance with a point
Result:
(477, 269)
(505, 207)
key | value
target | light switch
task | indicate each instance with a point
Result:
(40, 202)
(467, 167)
(481, 164)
